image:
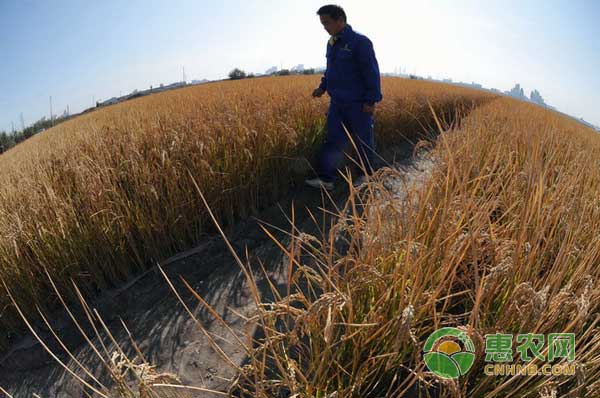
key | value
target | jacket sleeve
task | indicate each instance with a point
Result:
(369, 69)
(323, 84)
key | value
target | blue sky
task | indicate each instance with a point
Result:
(76, 50)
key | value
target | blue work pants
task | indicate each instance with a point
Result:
(360, 126)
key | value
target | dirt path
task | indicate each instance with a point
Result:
(165, 333)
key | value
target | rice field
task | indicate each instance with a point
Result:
(107, 194)
(500, 238)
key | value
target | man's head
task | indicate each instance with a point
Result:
(333, 18)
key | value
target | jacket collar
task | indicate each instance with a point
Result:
(347, 31)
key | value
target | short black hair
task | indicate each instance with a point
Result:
(334, 11)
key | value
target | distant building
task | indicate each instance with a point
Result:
(173, 85)
(517, 92)
(537, 98)
(271, 70)
(298, 68)
(110, 101)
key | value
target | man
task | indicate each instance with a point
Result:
(353, 83)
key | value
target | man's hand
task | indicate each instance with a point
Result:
(318, 92)
(368, 108)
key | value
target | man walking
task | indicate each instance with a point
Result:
(353, 83)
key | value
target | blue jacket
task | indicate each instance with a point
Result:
(352, 73)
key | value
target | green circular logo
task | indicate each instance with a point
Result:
(449, 353)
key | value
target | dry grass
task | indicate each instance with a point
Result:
(104, 195)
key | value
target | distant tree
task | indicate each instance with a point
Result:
(283, 72)
(3, 142)
(237, 74)
(28, 132)
(18, 137)
(310, 71)
(250, 75)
